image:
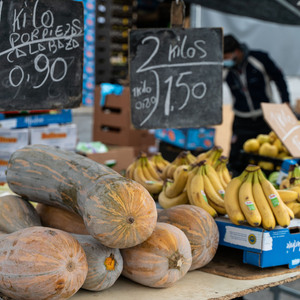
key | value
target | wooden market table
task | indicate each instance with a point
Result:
(194, 285)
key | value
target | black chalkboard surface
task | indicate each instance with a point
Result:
(41, 54)
(176, 77)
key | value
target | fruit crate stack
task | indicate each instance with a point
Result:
(113, 20)
(112, 123)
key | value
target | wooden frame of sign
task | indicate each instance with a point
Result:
(176, 77)
(41, 54)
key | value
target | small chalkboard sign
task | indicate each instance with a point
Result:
(41, 54)
(176, 77)
(285, 124)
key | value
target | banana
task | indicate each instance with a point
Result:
(268, 221)
(226, 175)
(284, 184)
(288, 195)
(247, 202)
(190, 157)
(170, 171)
(214, 179)
(196, 194)
(231, 200)
(212, 195)
(179, 169)
(290, 211)
(192, 172)
(151, 169)
(176, 187)
(221, 178)
(277, 205)
(166, 202)
(130, 170)
(296, 189)
(295, 207)
(153, 187)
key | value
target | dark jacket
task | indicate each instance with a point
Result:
(249, 83)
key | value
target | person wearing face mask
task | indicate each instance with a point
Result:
(248, 74)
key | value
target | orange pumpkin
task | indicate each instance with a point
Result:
(105, 264)
(200, 229)
(17, 213)
(117, 211)
(161, 260)
(41, 263)
(60, 218)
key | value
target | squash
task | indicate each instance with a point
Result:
(105, 264)
(117, 211)
(200, 229)
(41, 263)
(161, 260)
(17, 213)
(60, 218)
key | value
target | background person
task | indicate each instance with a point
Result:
(248, 74)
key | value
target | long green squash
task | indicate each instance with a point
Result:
(117, 211)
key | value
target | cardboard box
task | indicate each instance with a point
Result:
(34, 120)
(61, 136)
(112, 122)
(263, 248)
(189, 139)
(13, 139)
(119, 158)
(4, 158)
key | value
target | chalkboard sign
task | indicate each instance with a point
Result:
(41, 54)
(285, 124)
(176, 77)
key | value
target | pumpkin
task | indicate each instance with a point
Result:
(41, 263)
(105, 264)
(16, 213)
(161, 260)
(60, 218)
(200, 229)
(117, 211)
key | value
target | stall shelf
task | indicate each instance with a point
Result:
(194, 285)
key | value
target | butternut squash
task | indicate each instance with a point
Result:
(41, 263)
(60, 218)
(17, 213)
(161, 260)
(117, 211)
(105, 264)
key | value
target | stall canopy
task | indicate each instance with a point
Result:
(278, 11)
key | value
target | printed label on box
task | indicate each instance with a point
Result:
(248, 238)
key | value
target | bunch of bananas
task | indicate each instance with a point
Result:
(252, 198)
(159, 162)
(183, 158)
(205, 189)
(174, 190)
(223, 173)
(211, 156)
(143, 171)
(293, 178)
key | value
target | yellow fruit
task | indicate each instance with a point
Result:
(266, 165)
(273, 136)
(266, 149)
(251, 145)
(278, 144)
(263, 138)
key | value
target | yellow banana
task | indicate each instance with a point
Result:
(166, 202)
(196, 192)
(268, 221)
(192, 172)
(130, 170)
(179, 169)
(231, 200)
(284, 184)
(171, 170)
(153, 187)
(296, 189)
(288, 195)
(226, 175)
(151, 169)
(277, 205)
(295, 207)
(290, 211)
(220, 175)
(212, 195)
(176, 187)
(247, 202)
(214, 179)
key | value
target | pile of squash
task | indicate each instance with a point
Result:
(90, 225)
